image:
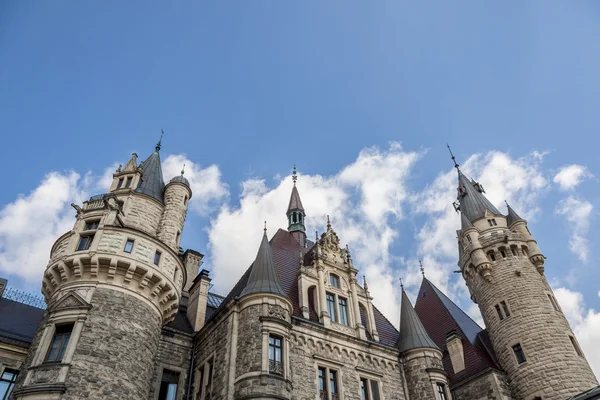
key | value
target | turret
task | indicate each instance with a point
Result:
(177, 196)
(503, 269)
(296, 215)
(420, 357)
(111, 283)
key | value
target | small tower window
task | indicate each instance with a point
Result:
(185, 200)
(177, 238)
(513, 250)
(503, 252)
(91, 225)
(168, 385)
(491, 256)
(59, 344)
(442, 391)
(469, 239)
(499, 312)
(275, 351)
(128, 246)
(576, 346)
(492, 222)
(128, 183)
(85, 242)
(505, 308)
(525, 252)
(120, 183)
(157, 257)
(554, 303)
(519, 353)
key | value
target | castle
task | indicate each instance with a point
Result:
(130, 317)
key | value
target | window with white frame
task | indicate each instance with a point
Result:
(60, 341)
(369, 389)
(275, 354)
(331, 308)
(441, 391)
(328, 383)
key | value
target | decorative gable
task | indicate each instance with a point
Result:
(69, 301)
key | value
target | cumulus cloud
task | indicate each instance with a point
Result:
(364, 200)
(208, 190)
(577, 212)
(585, 323)
(572, 175)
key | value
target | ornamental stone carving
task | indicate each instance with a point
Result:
(278, 312)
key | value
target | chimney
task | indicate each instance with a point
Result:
(191, 261)
(3, 283)
(455, 350)
(196, 311)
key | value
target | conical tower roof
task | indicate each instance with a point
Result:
(263, 277)
(295, 202)
(512, 216)
(152, 183)
(464, 222)
(473, 203)
(412, 332)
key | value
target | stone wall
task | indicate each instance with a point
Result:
(174, 351)
(174, 214)
(553, 369)
(249, 345)
(490, 386)
(143, 213)
(417, 379)
(115, 353)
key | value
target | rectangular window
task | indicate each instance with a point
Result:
(91, 225)
(200, 384)
(275, 360)
(168, 385)
(328, 384)
(576, 346)
(513, 250)
(503, 253)
(7, 382)
(128, 183)
(128, 246)
(331, 309)
(469, 238)
(120, 183)
(322, 384)
(505, 308)
(499, 312)
(364, 389)
(85, 242)
(554, 303)
(519, 353)
(343, 310)
(333, 384)
(208, 385)
(59, 344)
(334, 281)
(156, 257)
(442, 391)
(369, 389)
(375, 390)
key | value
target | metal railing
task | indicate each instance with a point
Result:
(23, 297)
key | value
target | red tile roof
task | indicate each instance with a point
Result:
(440, 316)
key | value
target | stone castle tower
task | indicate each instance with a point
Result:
(503, 268)
(112, 282)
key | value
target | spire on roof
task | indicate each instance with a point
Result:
(421, 267)
(412, 332)
(512, 215)
(157, 148)
(453, 158)
(263, 277)
(152, 183)
(295, 214)
(473, 204)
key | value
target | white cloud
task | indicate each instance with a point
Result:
(584, 322)
(572, 175)
(208, 191)
(577, 212)
(364, 200)
(30, 225)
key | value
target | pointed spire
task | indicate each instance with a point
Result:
(365, 286)
(294, 175)
(421, 267)
(263, 276)
(295, 214)
(328, 223)
(512, 215)
(157, 148)
(152, 183)
(473, 204)
(412, 332)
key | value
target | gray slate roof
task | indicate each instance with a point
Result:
(512, 216)
(464, 222)
(473, 203)
(152, 183)
(295, 202)
(263, 278)
(18, 322)
(412, 332)
(181, 179)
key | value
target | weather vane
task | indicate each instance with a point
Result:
(453, 158)
(294, 175)
(421, 267)
(401, 284)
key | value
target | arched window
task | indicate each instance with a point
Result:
(513, 250)
(185, 201)
(295, 217)
(491, 255)
(334, 281)
(525, 251)
(502, 252)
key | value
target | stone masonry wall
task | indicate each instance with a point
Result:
(115, 353)
(352, 360)
(214, 342)
(249, 345)
(30, 355)
(553, 369)
(491, 386)
(173, 354)
(417, 378)
(174, 214)
(143, 213)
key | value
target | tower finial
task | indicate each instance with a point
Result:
(265, 229)
(328, 223)
(365, 286)
(421, 267)
(401, 284)
(453, 158)
(162, 132)
(183, 170)
(294, 175)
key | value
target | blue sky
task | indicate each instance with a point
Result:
(244, 90)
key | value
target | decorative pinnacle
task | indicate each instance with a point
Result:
(366, 287)
(421, 267)
(316, 236)
(348, 252)
(160, 141)
(265, 229)
(328, 223)
(294, 175)
(401, 284)
(183, 170)
(453, 158)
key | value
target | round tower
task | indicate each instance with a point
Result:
(504, 271)
(177, 196)
(110, 286)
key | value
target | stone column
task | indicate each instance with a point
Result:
(360, 329)
(324, 317)
(372, 319)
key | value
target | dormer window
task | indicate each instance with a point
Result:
(120, 183)
(334, 281)
(492, 222)
(128, 183)
(91, 225)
